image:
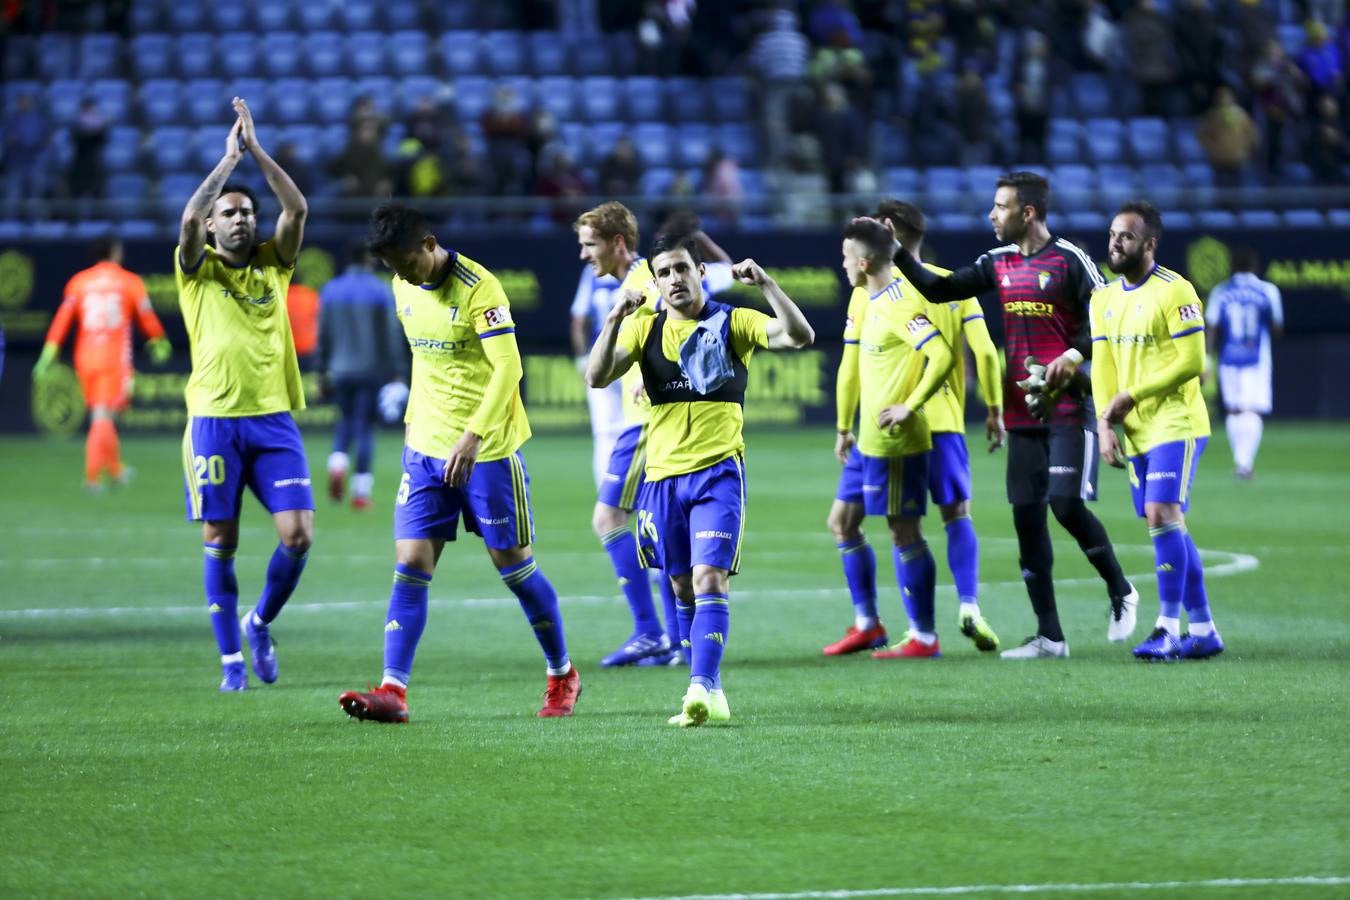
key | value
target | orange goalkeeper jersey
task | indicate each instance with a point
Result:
(102, 302)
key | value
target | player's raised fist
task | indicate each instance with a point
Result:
(747, 271)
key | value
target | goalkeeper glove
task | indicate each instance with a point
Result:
(1040, 399)
(50, 352)
(159, 349)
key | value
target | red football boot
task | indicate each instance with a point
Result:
(910, 648)
(855, 641)
(387, 703)
(560, 697)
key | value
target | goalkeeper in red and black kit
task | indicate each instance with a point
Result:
(1044, 284)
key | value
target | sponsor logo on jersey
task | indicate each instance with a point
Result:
(919, 324)
(711, 535)
(498, 315)
(434, 345)
(1161, 476)
(1034, 308)
(1190, 312)
(290, 482)
(1132, 339)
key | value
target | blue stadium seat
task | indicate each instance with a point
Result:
(655, 182)
(687, 99)
(324, 54)
(1155, 175)
(195, 56)
(379, 88)
(1297, 173)
(945, 180)
(1197, 174)
(1179, 220)
(729, 99)
(49, 230)
(402, 16)
(1116, 183)
(362, 15)
(1259, 218)
(332, 138)
(205, 100)
(1338, 218)
(122, 152)
(605, 134)
(123, 185)
(237, 55)
(692, 144)
(257, 92)
(1073, 186)
(1086, 221)
(740, 141)
(318, 15)
(590, 56)
(205, 147)
(600, 98)
(505, 52)
(307, 141)
(281, 54)
(1149, 140)
(1001, 101)
(140, 229)
(548, 53)
(64, 96)
(982, 180)
(274, 17)
(1216, 218)
(459, 52)
(364, 51)
(11, 230)
(186, 18)
(1063, 148)
(15, 89)
(174, 190)
(170, 148)
(576, 137)
(623, 53)
(408, 52)
(1091, 94)
(900, 181)
(557, 94)
(653, 143)
(18, 60)
(413, 88)
(146, 17)
(230, 16)
(644, 99)
(752, 182)
(1304, 218)
(100, 56)
(152, 56)
(1186, 146)
(954, 221)
(331, 99)
(1104, 140)
(113, 96)
(454, 15)
(473, 95)
(522, 85)
(289, 100)
(159, 101)
(56, 56)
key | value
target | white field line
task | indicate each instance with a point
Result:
(1051, 888)
(1233, 564)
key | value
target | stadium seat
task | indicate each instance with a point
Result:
(124, 185)
(323, 55)
(693, 143)
(318, 15)
(364, 15)
(281, 55)
(64, 96)
(205, 100)
(590, 56)
(740, 141)
(1063, 148)
(274, 17)
(954, 221)
(982, 180)
(522, 85)
(225, 17)
(331, 99)
(364, 53)
(47, 230)
(1116, 183)
(1197, 174)
(1091, 94)
(548, 53)
(100, 56)
(644, 99)
(1179, 220)
(1259, 218)
(289, 101)
(1338, 218)
(1104, 140)
(1186, 146)
(332, 138)
(687, 100)
(56, 56)
(402, 16)
(1086, 222)
(122, 151)
(557, 94)
(600, 98)
(307, 141)
(505, 52)
(1216, 218)
(1297, 173)
(379, 88)
(453, 16)
(473, 95)
(257, 92)
(729, 99)
(237, 55)
(18, 60)
(459, 52)
(187, 18)
(195, 56)
(146, 17)
(113, 96)
(408, 52)
(1149, 140)
(140, 229)
(152, 56)
(655, 182)
(605, 134)
(158, 99)
(653, 143)
(171, 147)
(1304, 218)
(15, 89)
(945, 180)
(412, 89)
(752, 182)
(1073, 186)
(900, 181)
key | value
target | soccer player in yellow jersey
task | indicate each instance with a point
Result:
(1148, 352)
(245, 384)
(694, 355)
(465, 426)
(949, 464)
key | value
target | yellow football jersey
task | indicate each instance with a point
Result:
(446, 325)
(687, 437)
(895, 325)
(1136, 333)
(946, 409)
(637, 409)
(243, 355)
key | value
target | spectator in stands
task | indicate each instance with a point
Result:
(27, 134)
(664, 34)
(1328, 148)
(1279, 87)
(364, 112)
(1252, 31)
(973, 117)
(722, 186)
(1321, 63)
(295, 166)
(507, 130)
(1229, 138)
(1151, 48)
(841, 130)
(620, 170)
(561, 181)
(88, 137)
(777, 58)
(361, 169)
(465, 175)
(833, 21)
(678, 201)
(843, 63)
(1101, 39)
(432, 122)
(1031, 89)
(1199, 53)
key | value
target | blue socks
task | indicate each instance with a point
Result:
(860, 572)
(405, 622)
(621, 546)
(670, 605)
(283, 574)
(917, 573)
(1195, 598)
(1170, 557)
(222, 596)
(540, 603)
(708, 639)
(963, 558)
(684, 626)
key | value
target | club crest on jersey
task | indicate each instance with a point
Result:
(918, 324)
(1007, 282)
(1043, 279)
(1190, 312)
(498, 315)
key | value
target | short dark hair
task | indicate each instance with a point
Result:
(873, 236)
(1245, 259)
(1149, 213)
(1032, 190)
(394, 226)
(907, 219)
(237, 187)
(669, 243)
(103, 246)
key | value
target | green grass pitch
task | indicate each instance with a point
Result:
(125, 773)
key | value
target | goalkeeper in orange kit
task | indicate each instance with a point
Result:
(101, 302)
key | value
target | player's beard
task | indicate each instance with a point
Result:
(1128, 263)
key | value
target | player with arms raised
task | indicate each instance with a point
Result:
(694, 356)
(102, 302)
(1044, 284)
(1148, 351)
(465, 426)
(245, 384)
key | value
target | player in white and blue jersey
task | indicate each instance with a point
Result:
(595, 295)
(1243, 314)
